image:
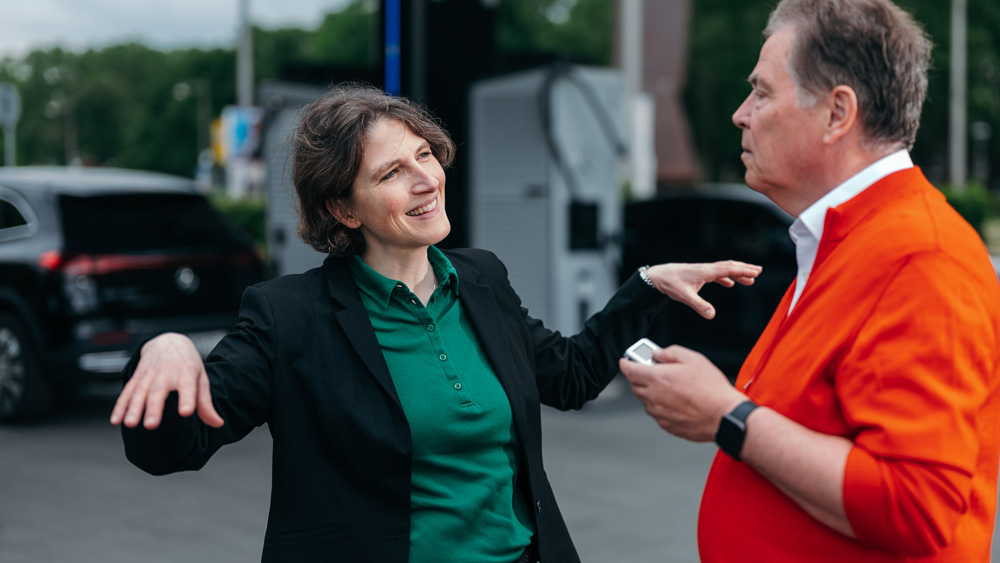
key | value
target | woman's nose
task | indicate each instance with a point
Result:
(425, 179)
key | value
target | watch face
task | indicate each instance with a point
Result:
(730, 435)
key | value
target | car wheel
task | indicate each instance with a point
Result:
(24, 393)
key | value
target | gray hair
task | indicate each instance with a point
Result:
(872, 46)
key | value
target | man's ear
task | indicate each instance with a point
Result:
(842, 102)
(340, 213)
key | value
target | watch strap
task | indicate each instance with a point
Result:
(733, 428)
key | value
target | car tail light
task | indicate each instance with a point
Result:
(79, 264)
(111, 337)
(98, 264)
(50, 260)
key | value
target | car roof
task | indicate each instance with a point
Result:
(719, 191)
(87, 181)
(739, 192)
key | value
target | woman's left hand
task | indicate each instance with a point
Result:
(682, 282)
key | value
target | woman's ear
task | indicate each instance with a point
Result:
(340, 213)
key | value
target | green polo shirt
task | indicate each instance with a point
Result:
(465, 506)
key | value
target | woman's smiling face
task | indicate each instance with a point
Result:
(397, 200)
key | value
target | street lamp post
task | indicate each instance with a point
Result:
(244, 58)
(956, 131)
(10, 112)
(201, 88)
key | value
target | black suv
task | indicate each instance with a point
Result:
(703, 224)
(95, 261)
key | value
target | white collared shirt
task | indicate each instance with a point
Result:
(807, 229)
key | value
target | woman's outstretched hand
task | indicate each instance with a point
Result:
(682, 282)
(169, 362)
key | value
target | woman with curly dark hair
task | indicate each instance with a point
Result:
(401, 383)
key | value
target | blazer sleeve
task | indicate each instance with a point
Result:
(240, 375)
(571, 370)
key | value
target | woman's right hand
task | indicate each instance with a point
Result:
(169, 362)
(682, 282)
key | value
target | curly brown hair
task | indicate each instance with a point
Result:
(327, 147)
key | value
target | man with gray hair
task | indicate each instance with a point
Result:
(865, 423)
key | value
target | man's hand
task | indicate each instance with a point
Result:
(688, 396)
(682, 282)
(169, 362)
(684, 392)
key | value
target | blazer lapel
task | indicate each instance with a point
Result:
(478, 301)
(353, 319)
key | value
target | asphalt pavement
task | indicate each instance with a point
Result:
(629, 492)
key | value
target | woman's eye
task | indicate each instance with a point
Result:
(391, 174)
(425, 154)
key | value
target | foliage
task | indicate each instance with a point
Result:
(725, 40)
(577, 30)
(246, 214)
(725, 37)
(116, 105)
(347, 38)
(973, 202)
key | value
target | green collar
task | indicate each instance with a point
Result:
(380, 288)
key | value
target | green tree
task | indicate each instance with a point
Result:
(348, 38)
(726, 38)
(578, 30)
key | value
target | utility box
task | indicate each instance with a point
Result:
(547, 160)
(281, 102)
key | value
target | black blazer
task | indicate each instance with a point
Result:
(304, 359)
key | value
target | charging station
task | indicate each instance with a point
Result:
(547, 156)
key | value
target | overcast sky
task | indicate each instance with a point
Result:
(78, 24)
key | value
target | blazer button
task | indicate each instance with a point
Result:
(538, 507)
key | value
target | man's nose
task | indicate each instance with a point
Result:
(742, 114)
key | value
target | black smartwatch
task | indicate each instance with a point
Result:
(733, 429)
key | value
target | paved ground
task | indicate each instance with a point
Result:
(628, 491)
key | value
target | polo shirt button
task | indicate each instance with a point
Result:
(430, 328)
(443, 357)
(458, 387)
(538, 507)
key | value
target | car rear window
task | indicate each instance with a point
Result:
(143, 222)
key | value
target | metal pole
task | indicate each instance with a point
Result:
(203, 110)
(956, 130)
(244, 58)
(393, 70)
(72, 135)
(418, 50)
(630, 43)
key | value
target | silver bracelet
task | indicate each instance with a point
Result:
(645, 276)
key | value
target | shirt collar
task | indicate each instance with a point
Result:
(446, 274)
(814, 217)
(380, 288)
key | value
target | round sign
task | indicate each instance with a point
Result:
(10, 105)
